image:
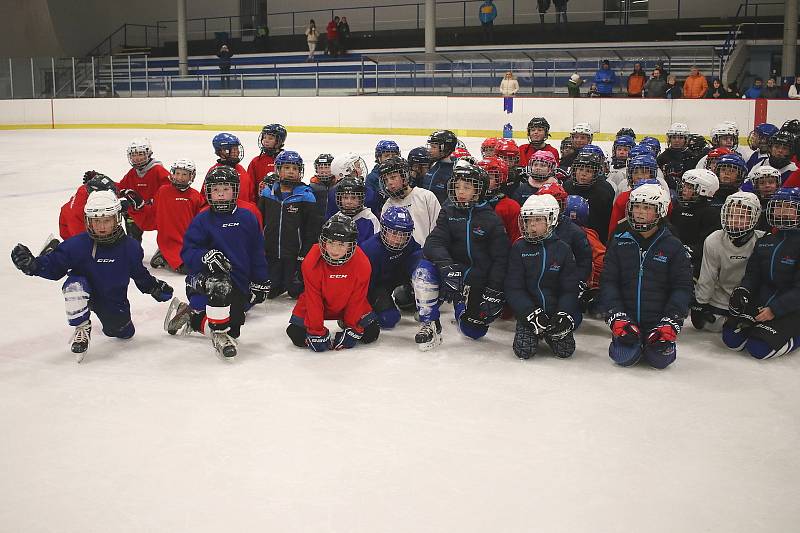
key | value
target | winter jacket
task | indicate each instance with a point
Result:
(636, 83)
(473, 240)
(673, 92)
(487, 12)
(321, 191)
(771, 92)
(648, 279)
(605, 79)
(772, 274)
(753, 92)
(574, 237)
(509, 87)
(291, 221)
(437, 177)
(542, 276)
(655, 88)
(600, 196)
(695, 86)
(722, 268)
(693, 224)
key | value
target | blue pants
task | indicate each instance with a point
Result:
(658, 354)
(759, 348)
(80, 303)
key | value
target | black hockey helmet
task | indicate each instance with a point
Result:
(390, 166)
(222, 175)
(276, 130)
(445, 139)
(338, 228)
(350, 187)
(627, 131)
(475, 176)
(539, 122)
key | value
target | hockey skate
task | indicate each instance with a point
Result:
(80, 340)
(429, 335)
(49, 244)
(158, 260)
(224, 344)
(178, 319)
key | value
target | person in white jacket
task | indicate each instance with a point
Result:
(794, 89)
(508, 88)
(312, 36)
(725, 255)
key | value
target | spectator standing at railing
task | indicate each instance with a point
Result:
(544, 5)
(636, 81)
(717, 91)
(486, 14)
(225, 56)
(656, 86)
(755, 90)
(605, 79)
(561, 11)
(696, 85)
(574, 85)
(312, 36)
(343, 29)
(794, 89)
(674, 90)
(332, 36)
(771, 91)
(508, 88)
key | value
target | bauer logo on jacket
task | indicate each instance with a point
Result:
(554, 267)
(660, 256)
(787, 260)
(477, 230)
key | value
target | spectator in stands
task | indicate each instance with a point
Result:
(664, 71)
(696, 85)
(605, 78)
(561, 11)
(636, 81)
(574, 85)
(733, 90)
(755, 90)
(343, 29)
(332, 36)
(673, 91)
(593, 92)
(487, 12)
(794, 89)
(655, 87)
(225, 56)
(544, 5)
(508, 88)
(312, 36)
(771, 91)
(717, 90)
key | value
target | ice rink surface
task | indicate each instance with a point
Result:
(158, 434)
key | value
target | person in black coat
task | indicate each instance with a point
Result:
(469, 249)
(541, 284)
(225, 56)
(646, 284)
(765, 308)
(598, 192)
(694, 218)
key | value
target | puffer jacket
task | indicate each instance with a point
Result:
(772, 272)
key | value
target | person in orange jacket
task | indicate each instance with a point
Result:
(695, 85)
(636, 81)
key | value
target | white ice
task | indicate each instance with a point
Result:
(158, 434)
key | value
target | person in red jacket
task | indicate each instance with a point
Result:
(230, 152)
(71, 218)
(176, 205)
(538, 133)
(332, 36)
(336, 275)
(140, 185)
(270, 142)
(506, 208)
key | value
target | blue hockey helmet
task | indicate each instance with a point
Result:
(731, 161)
(396, 227)
(783, 209)
(289, 158)
(577, 210)
(228, 148)
(384, 147)
(647, 162)
(653, 143)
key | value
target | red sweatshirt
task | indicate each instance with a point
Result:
(146, 183)
(333, 292)
(247, 186)
(174, 212)
(71, 219)
(259, 167)
(526, 151)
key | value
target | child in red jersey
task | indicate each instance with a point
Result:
(140, 185)
(71, 218)
(336, 274)
(270, 143)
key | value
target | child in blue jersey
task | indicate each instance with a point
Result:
(291, 224)
(223, 249)
(394, 256)
(646, 284)
(350, 194)
(99, 265)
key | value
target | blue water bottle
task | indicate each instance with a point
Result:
(508, 131)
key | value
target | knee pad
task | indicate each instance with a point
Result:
(733, 339)
(371, 332)
(77, 292)
(219, 290)
(425, 281)
(389, 318)
(297, 334)
(525, 342)
(624, 354)
(660, 354)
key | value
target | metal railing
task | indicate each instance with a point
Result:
(128, 36)
(742, 12)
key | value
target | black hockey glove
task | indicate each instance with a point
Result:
(134, 199)
(452, 286)
(538, 320)
(161, 292)
(741, 304)
(318, 343)
(89, 174)
(701, 314)
(23, 259)
(346, 339)
(560, 325)
(216, 262)
(258, 292)
(491, 304)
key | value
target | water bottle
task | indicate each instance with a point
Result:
(508, 131)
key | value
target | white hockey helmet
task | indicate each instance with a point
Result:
(704, 182)
(101, 204)
(740, 213)
(765, 171)
(183, 164)
(538, 205)
(584, 128)
(648, 194)
(140, 145)
(725, 129)
(349, 165)
(678, 129)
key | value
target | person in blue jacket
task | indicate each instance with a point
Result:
(384, 151)
(487, 12)
(291, 224)
(394, 256)
(646, 284)
(465, 260)
(605, 79)
(99, 265)
(765, 307)
(541, 286)
(440, 145)
(223, 248)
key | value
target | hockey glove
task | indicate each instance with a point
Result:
(216, 262)
(161, 292)
(346, 339)
(258, 291)
(560, 325)
(666, 331)
(741, 304)
(88, 175)
(23, 259)
(623, 329)
(452, 286)
(538, 320)
(134, 199)
(318, 343)
(701, 314)
(491, 304)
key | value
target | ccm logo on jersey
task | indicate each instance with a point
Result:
(182, 199)
(338, 276)
(230, 224)
(106, 260)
